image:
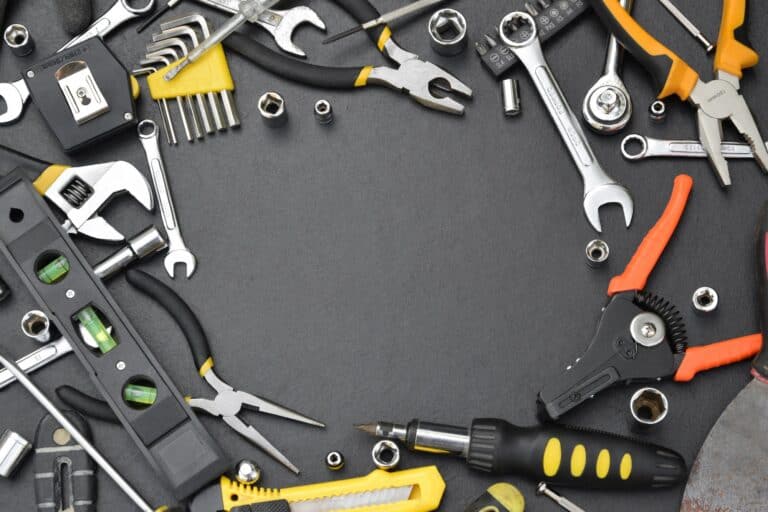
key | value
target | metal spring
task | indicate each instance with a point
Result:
(677, 336)
(77, 192)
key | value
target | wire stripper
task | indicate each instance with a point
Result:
(412, 490)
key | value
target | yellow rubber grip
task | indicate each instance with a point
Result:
(362, 78)
(667, 68)
(207, 365)
(732, 56)
(48, 177)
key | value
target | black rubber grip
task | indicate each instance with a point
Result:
(177, 308)
(659, 66)
(86, 404)
(572, 457)
(363, 11)
(760, 363)
(270, 506)
(292, 69)
(76, 15)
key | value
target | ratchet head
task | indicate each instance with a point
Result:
(608, 193)
(607, 106)
(15, 95)
(82, 192)
(282, 25)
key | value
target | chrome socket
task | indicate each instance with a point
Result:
(597, 252)
(13, 450)
(648, 406)
(386, 454)
(510, 97)
(272, 109)
(247, 472)
(658, 111)
(448, 32)
(324, 112)
(705, 300)
(334, 461)
(17, 38)
(36, 325)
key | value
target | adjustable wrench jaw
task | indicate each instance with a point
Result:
(15, 96)
(82, 192)
(418, 79)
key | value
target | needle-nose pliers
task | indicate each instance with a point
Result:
(227, 403)
(716, 100)
(418, 78)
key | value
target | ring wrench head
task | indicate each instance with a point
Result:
(518, 29)
(15, 96)
(121, 12)
(629, 141)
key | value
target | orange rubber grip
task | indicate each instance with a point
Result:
(668, 70)
(646, 257)
(733, 56)
(714, 355)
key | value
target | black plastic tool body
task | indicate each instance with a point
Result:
(168, 434)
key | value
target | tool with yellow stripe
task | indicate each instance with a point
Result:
(412, 76)
(550, 453)
(412, 490)
(716, 100)
(227, 403)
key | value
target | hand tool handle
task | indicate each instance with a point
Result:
(572, 457)
(180, 312)
(760, 364)
(668, 70)
(648, 253)
(733, 56)
(86, 404)
(714, 355)
(292, 69)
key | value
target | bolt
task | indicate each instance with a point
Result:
(563, 502)
(608, 100)
(648, 330)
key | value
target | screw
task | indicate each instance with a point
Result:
(30, 74)
(648, 330)
(70, 294)
(120, 365)
(563, 502)
(128, 116)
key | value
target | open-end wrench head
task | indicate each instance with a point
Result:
(180, 257)
(609, 193)
(15, 95)
(283, 24)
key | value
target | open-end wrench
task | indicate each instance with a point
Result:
(518, 31)
(121, 12)
(177, 249)
(648, 147)
(607, 106)
(281, 24)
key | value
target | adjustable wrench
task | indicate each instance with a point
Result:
(518, 31)
(177, 249)
(281, 24)
(649, 147)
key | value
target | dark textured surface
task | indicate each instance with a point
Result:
(406, 263)
(76, 15)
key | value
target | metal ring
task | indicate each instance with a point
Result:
(629, 139)
(379, 452)
(146, 135)
(514, 16)
(138, 10)
(649, 406)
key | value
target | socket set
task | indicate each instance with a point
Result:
(551, 16)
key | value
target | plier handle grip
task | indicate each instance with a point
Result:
(641, 336)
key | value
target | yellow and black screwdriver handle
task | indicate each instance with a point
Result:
(569, 456)
(670, 72)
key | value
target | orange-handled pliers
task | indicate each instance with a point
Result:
(641, 336)
(716, 100)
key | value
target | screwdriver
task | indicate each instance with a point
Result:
(385, 18)
(551, 453)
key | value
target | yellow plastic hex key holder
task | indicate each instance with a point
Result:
(209, 73)
(411, 490)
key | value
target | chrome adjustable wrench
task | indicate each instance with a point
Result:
(518, 31)
(16, 94)
(281, 24)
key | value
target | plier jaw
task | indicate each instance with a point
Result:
(420, 79)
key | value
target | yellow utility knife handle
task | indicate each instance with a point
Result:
(668, 70)
(732, 56)
(427, 483)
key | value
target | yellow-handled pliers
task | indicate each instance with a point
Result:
(716, 100)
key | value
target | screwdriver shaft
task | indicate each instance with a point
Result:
(688, 24)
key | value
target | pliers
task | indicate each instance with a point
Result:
(716, 100)
(227, 403)
(641, 336)
(413, 76)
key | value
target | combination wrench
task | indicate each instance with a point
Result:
(648, 147)
(177, 249)
(607, 106)
(518, 31)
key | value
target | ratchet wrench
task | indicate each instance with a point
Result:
(177, 249)
(121, 12)
(519, 32)
(648, 147)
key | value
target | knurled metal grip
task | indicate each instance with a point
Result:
(171, 438)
